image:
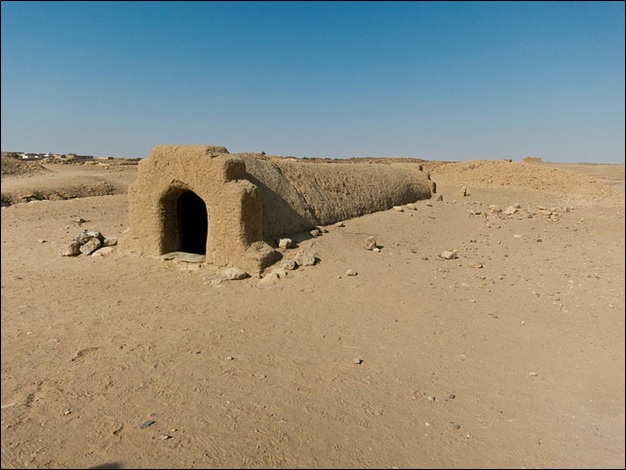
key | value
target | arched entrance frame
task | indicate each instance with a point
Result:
(233, 204)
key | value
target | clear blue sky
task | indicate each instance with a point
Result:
(432, 80)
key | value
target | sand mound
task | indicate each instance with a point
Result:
(28, 181)
(13, 167)
(499, 173)
(52, 191)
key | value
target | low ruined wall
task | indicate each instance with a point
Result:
(250, 199)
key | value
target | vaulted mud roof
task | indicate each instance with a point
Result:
(204, 200)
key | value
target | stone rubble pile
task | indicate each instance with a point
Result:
(90, 243)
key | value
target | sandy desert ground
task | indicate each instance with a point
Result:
(509, 356)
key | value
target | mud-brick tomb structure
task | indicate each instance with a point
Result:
(230, 207)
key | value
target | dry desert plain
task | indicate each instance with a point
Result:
(510, 355)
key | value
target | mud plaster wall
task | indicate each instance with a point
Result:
(251, 199)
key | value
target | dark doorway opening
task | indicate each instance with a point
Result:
(192, 223)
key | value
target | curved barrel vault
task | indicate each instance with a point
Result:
(202, 199)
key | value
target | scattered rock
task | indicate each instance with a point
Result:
(279, 272)
(289, 264)
(79, 221)
(285, 243)
(235, 274)
(351, 272)
(109, 242)
(87, 235)
(91, 246)
(105, 251)
(305, 257)
(72, 250)
(269, 278)
(370, 243)
(147, 424)
(449, 254)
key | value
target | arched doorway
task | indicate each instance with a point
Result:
(192, 223)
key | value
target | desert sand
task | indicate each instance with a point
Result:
(507, 354)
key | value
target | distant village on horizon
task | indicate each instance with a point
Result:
(56, 157)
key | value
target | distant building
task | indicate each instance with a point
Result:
(31, 156)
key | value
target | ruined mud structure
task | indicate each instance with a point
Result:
(230, 207)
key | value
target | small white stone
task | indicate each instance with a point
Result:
(449, 254)
(285, 243)
(235, 274)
